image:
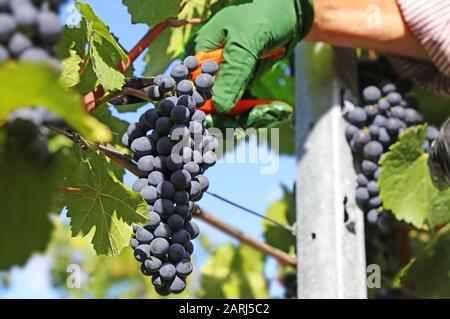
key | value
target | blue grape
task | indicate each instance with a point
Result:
(192, 168)
(361, 138)
(191, 63)
(159, 163)
(380, 121)
(142, 252)
(393, 125)
(164, 146)
(383, 105)
(145, 164)
(166, 190)
(182, 210)
(371, 111)
(164, 208)
(189, 248)
(413, 117)
(204, 182)
(49, 27)
(176, 252)
(160, 285)
(384, 138)
(180, 179)
(135, 131)
(388, 87)
(181, 197)
(362, 180)
(433, 133)
(19, 43)
(134, 243)
(159, 247)
(179, 132)
(7, 26)
(187, 101)
(34, 54)
(175, 222)
(371, 94)
(125, 139)
(192, 228)
(181, 237)
(166, 106)
(394, 98)
(150, 194)
(195, 189)
(374, 131)
(368, 167)
(155, 177)
(167, 271)
(149, 118)
(375, 202)
(398, 112)
(152, 264)
(154, 93)
(163, 231)
(179, 72)
(142, 146)
(373, 150)
(26, 16)
(350, 131)
(174, 162)
(209, 158)
(210, 67)
(144, 236)
(154, 221)
(163, 125)
(377, 173)
(204, 82)
(177, 285)
(184, 268)
(362, 195)
(357, 117)
(185, 87)
(199, 98)
(180, 114)
(372, 216)
(373, 189)
(199, 116)
(166, 84)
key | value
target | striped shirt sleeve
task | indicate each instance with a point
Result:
(429, 21)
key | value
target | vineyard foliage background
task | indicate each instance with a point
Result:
(33, 197)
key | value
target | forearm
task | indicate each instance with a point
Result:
(368, 24)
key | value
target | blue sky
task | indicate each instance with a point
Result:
(242, 183)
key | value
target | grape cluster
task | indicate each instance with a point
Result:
(173, 149)
(372, 129)
(29, 29)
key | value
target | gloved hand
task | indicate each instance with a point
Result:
(247, 31)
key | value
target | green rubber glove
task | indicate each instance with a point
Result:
(246, 31)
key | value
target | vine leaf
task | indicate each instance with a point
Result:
(436, 256)
(102, 205)
(29, 194)
(152, 12)
(234, 272)
(37, 84)
(282, 211)
(70, 76)
(406, 186)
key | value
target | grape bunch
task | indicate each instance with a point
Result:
(372, 129)
(173, 149)
(29, 29)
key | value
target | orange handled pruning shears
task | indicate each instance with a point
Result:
(242, 105)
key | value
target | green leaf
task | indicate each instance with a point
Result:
(28, 191)
(234, 272)
(405, 182)
(70, 76)
(73, 39)
(152, 12)
(170, 45)
(276, 84)
(282, 211)
(108, 75)
(116, 125)
(429, 272)
(103, 205)
(35, 84)
(100, 30)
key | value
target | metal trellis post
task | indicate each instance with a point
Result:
(330, 239)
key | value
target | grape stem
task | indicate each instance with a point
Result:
(281, 256)
(126, 162)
